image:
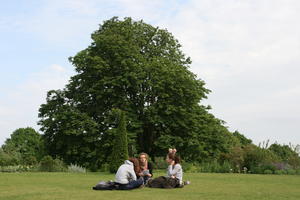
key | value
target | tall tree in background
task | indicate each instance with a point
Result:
(120, 145)
(140, 69)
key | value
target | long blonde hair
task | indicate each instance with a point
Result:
(143, 165)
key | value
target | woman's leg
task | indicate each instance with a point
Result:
(132, 184)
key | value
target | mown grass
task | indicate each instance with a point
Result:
(42, 186)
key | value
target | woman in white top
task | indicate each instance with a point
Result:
(174, 169)
(126, 175)
(174, 173)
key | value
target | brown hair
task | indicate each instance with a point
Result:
(136, 164)
(174, 157)
(145, 154)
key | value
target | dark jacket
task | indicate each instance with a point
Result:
(163, 182)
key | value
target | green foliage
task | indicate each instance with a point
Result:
(283, 151)
(256, 158)
(288, 171)
(286, 154)
(120, 147)
(48, 164)
(279, 172)
(294, 161)
(210, 167)
(104, 167)
(68, 132)
(24, 146)
(236, 158)
(242, 139)
(268, 171)
(30, 160)
(160, 163)
(226, 167)
(291, 171)
(190, 167)
(10, 158)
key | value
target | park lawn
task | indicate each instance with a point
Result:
(52, 186)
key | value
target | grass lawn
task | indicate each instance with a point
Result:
(40, 186)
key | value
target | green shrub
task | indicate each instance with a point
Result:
(191, 167)
(279, 172)
(160, 163)
(29, 160)
(269, 167)
(258, 159)
(48, 164)
(225, 167)
(291, 171)
(9, 159)
(257, 170)
(211, 167)
(260, 169)
(267, 171)
(104, 167)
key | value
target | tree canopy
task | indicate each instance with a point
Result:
(24, 145)
(140, 69)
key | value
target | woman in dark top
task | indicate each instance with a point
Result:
(145, 167)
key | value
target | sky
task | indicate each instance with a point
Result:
(246, 51)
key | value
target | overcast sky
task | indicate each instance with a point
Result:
(247, 52)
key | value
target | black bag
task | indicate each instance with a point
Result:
(105, 185)
(163, 182)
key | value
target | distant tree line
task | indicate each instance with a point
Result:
(26, 147)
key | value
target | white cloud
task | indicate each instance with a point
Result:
(20, 106)
(248, 52)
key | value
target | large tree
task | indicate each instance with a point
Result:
(138, 68)
(26, 144)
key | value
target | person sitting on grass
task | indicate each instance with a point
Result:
(174, 169)
(145, 167)
(125, 178)
(174, 174)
